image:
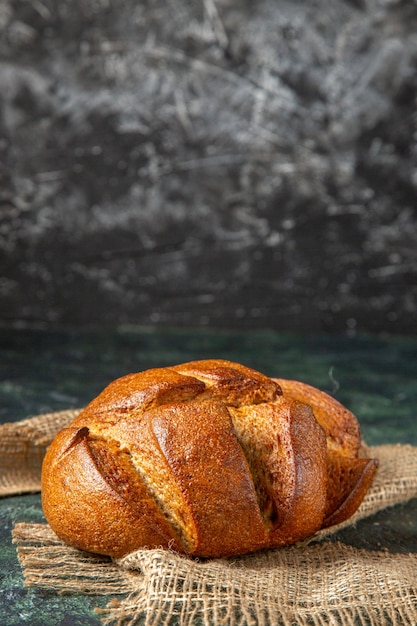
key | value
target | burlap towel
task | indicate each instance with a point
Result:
(315, 583)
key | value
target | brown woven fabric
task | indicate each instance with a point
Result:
(22, 448)
(314, 583)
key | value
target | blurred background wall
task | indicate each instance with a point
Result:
(224, 163)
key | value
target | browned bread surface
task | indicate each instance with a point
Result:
(349, 477)
(209, 458)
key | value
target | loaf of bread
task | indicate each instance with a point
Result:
(208, 458)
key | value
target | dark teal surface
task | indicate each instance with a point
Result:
(42, 371)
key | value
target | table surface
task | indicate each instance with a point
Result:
(43, 371)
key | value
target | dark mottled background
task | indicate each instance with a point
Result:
(218, 163)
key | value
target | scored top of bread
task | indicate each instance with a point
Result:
(209, 458)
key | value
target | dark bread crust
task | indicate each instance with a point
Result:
(340, 425)
(348, 476)
(209, 458)
(85, 507)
